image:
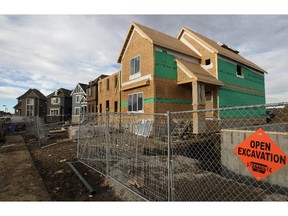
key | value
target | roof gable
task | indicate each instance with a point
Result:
(157, 38)
(34, 91)
(80, 86)
(61, 92)
(197, 72)
(95, 81)
(221, 50)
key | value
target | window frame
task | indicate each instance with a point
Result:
(100, 87)
(133, 72)
(239, 67)
(116, 81)
(131, 97)
(53, 99)
(115, 106)
(207, 60)
(90, 92)
(107, 84)
(77, 108)
(30, 106)
(53, 111)
(78, 98)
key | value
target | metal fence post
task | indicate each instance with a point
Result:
(170, 170)
(107, 142)
(37, 124)
(78, 141)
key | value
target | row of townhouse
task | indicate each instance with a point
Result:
(57, 106)
(161, 73)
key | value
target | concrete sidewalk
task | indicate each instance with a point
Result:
(19, 178)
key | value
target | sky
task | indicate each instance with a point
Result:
(49, 52)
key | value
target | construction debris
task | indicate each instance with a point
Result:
(136, 181)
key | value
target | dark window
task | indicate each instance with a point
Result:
(93, 108)
(115, 81)
(207, 62)
(107, 105)
(115, 106)
(134, 102)
(107, 84)
(129, 103)
(89, 108)
(100, 109)
(239, 71)
(140, 102)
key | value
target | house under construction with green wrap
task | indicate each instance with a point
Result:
(161, 73)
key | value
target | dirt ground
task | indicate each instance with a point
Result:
(51, 168)
(19, 178)
(61, 182)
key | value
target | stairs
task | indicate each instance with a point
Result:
(181, 129)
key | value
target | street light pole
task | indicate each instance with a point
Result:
(5, 108)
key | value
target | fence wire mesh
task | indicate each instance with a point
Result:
(43, 132)
(185, 156)
(129, 148)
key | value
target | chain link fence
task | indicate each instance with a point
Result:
(185, 156)
(43, 132)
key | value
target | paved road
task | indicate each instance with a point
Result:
(19, 178)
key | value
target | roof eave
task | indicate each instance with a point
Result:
(200, 39)
(125, 43)
(260, 71)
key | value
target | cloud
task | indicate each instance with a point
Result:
(61, 49)
(274, 62)
(50, 52)
(11, 92)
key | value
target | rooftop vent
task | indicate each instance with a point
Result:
(227, 47)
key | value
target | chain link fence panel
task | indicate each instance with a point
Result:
(185, 156)
(130, 148)
(37, 127)
(205, 166)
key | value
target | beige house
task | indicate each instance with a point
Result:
(160, 73)
(109, 93)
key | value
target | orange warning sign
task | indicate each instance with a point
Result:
(260, 154)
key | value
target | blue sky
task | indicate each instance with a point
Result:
(48, 52)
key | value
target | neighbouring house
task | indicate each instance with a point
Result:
(79, 104)
(161, 73)
(31, 103)
(109, 93)
(92, 95)
(59, 106)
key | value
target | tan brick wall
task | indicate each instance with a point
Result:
(139, 46)
(164, 107)
(205, 54)
(168, 89)
(111, 95)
